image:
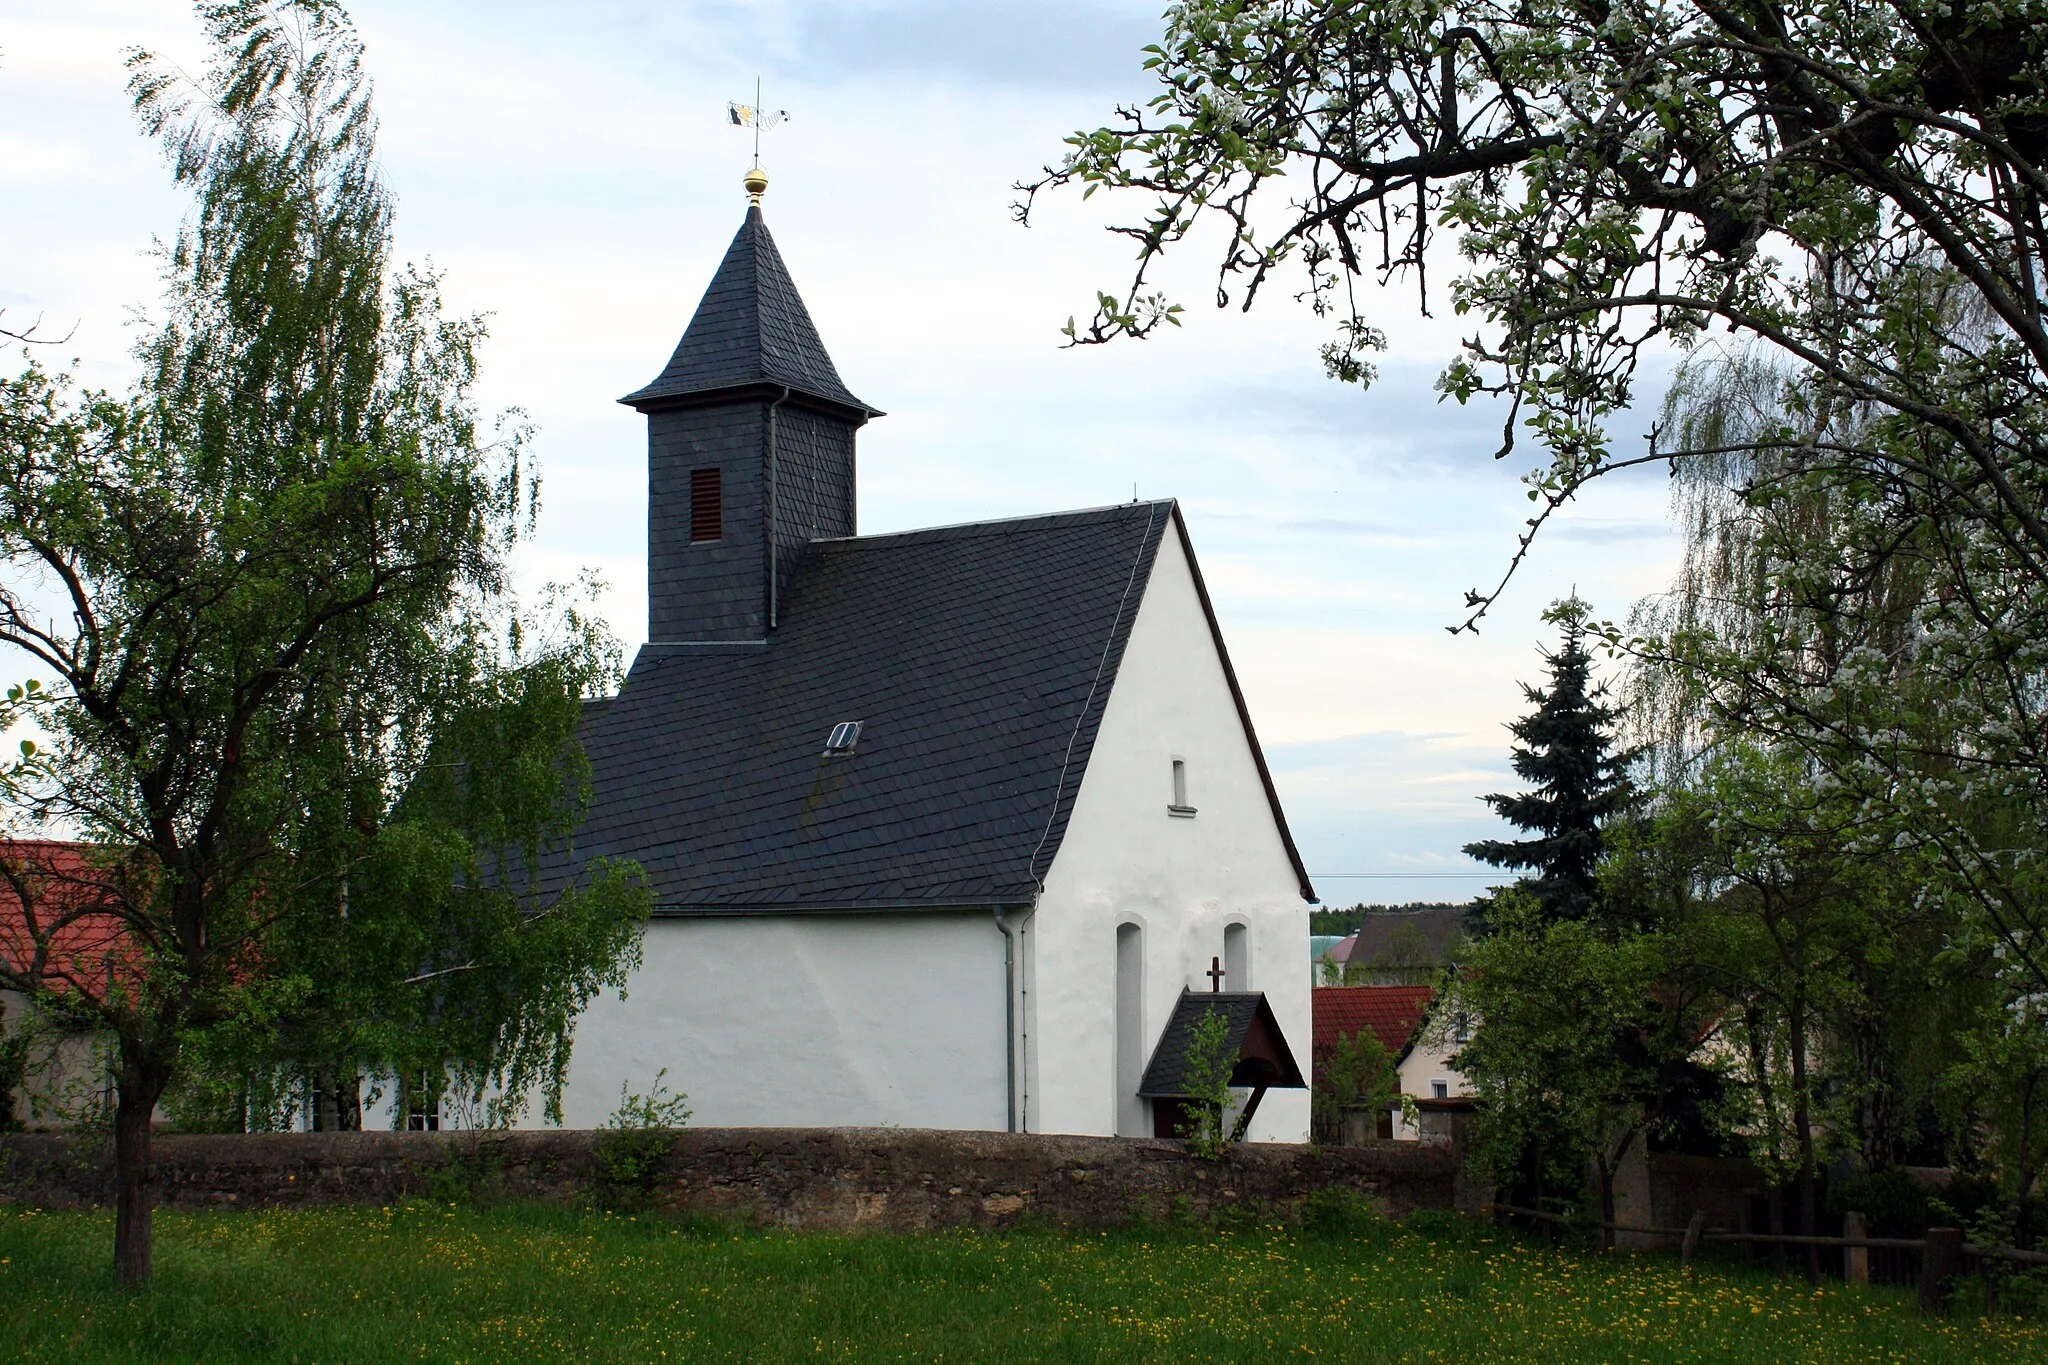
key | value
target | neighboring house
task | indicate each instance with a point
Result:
(1392, 1013)
(1320, 947)
(941, 825)
(1396, 1015)
(1394, 948)
(49, 923)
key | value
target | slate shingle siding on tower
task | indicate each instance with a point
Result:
(814, 498)
(705, 590)
(750, 349)
(974, 655)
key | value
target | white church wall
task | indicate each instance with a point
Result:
(1183, 880)
(813, 1020)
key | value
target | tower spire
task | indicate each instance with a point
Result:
(750, 436)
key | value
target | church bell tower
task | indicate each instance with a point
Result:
(749, 449)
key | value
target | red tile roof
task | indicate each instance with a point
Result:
(1392, 1012)
(64, 883)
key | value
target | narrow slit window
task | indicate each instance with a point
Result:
(707, 509)
(1180, 804)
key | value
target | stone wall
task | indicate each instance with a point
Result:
(826, 1178)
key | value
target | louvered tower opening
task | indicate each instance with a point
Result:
(707, 505)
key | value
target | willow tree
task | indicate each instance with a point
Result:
(311, 744)
(1868, 648)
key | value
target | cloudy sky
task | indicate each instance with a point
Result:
(570, 168)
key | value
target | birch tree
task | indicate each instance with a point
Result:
(311, 744)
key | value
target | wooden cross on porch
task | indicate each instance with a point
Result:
(1215, 975)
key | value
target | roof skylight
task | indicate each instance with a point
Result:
(844, 736)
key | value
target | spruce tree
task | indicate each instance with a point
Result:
(1566, 752)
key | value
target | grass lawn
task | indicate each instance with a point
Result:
(428, 1282)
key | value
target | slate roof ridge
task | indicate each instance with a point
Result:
(750, 328)
(963, 530)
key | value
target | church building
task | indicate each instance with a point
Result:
(950, 828)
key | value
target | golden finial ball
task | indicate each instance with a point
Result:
(757, 184)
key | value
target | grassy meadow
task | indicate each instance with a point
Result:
(432, 1282)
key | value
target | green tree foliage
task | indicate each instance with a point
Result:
(1404, 960)
(1831, 181)
(1357, 1075)
(1572, 1043)
(14, 1048)
(1566, 751)
(1836, 213)
(636, 1141)
(1822, 690)
(1209, 1061)
(316, 749)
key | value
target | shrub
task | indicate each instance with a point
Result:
(1338, 1214)
(14, 1044)
(1207, 1080)
(1355, 1074)
(636, 1140)
(1895, 1201)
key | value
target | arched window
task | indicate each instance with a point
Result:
(1237, 958)
(1130, 1030)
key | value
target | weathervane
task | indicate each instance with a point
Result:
(755, 117)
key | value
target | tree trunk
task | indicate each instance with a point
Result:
(1802, 1124)
(140, 1086)
(1606, 1163)
(348, 1101)
(1778, 1228)
(1604, 1176)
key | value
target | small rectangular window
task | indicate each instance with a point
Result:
(1439, 1090)
(707, 512)
(1180, 804)
(421, 1098)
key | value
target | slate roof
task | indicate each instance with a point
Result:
(1439, 930)
(1254, 1034)
(978, 658)
(1392, 1012)
(751, 329)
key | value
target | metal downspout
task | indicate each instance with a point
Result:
(1009, 1020)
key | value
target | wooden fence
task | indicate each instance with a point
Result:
(1941, 1255)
